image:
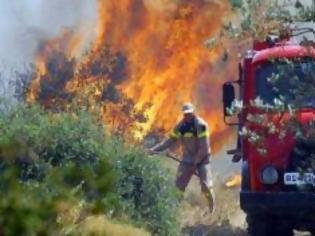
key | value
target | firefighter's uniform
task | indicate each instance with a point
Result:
(194, 137)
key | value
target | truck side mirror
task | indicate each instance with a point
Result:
(228, 97)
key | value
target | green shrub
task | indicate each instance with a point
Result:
(148, 189)
(63, 157)
(22, 210)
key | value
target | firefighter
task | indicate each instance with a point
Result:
(193, 133)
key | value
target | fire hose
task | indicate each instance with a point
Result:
(175, 158)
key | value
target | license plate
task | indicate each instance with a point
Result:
(299, 179)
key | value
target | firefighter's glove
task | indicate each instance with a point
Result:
(152, 152)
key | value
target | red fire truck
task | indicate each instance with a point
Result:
(276, 197)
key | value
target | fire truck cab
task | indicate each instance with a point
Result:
(275, 197)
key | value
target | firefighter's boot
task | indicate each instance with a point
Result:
(211, 200)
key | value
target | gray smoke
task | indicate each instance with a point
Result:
(25, 23)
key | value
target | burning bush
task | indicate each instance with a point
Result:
(63, 83)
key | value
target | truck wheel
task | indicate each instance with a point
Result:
(256, 225)
(284, 230)
(260, 225)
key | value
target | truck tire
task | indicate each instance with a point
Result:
(256, 225)
(260, 225)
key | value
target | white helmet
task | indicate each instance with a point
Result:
(188, 108)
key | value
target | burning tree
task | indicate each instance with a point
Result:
(61, 83)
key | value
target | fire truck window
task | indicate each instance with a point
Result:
(283, 80)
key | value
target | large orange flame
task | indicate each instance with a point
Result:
(165, 63)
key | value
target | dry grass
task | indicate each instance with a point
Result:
(228, 219)
(101, 226)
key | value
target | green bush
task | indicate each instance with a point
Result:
(63, 157)
(148, 189)
(24, 208)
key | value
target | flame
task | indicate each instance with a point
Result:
(168, 62)
(153, 53)
(234, 181)
(53, 60)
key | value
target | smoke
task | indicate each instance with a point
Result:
(24, 24)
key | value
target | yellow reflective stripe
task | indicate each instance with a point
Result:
(188, 135)
(175, 135)
(203, 134)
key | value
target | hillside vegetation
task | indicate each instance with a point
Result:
(60, 175)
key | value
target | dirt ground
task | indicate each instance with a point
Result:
(228, 219)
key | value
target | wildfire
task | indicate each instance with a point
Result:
(148, 54)
(234, 181)
(55, 66)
